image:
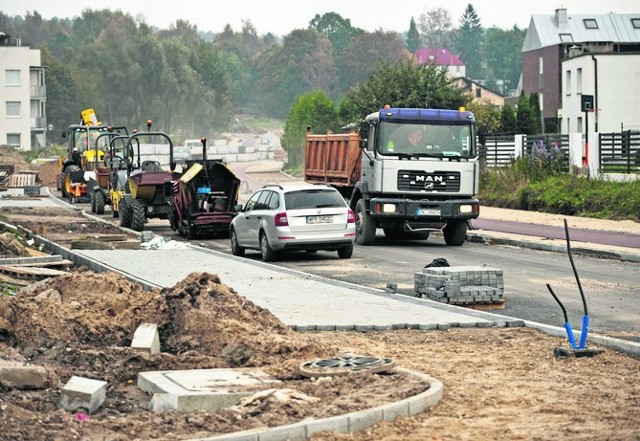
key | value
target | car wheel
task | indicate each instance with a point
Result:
(236, 249)
(268, 255)
(346, 252)
(455, 233)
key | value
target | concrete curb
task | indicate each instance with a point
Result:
(488, 238)
(348, 423)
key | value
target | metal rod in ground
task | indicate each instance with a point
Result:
(567, 326)
(585, 318)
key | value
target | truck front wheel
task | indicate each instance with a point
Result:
(365, 226)
(455, 232)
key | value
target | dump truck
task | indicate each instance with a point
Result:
(141, 195)
(408, 171)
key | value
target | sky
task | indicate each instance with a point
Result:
(282, 16)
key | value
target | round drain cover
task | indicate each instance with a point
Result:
(345, 364)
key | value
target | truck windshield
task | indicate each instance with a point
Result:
(439, 140)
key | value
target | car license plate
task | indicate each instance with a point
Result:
(428, 212)
(320, 219)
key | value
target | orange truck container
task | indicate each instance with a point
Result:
(333, 159)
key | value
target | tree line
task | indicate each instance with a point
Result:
(193, 83)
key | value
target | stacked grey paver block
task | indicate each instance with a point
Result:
(460, 285)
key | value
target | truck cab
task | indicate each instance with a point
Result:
(419, 173)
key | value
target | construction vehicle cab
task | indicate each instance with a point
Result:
(99, 182)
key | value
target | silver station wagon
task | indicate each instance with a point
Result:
(300, 217)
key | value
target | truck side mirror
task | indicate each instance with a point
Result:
(364, 135)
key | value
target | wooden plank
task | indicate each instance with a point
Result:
(62, 263)
(29, 273)
(22, 260)
(13, 281)
(501, 304)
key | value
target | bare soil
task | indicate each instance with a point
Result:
(500, 383)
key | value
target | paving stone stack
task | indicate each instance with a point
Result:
(461, 285)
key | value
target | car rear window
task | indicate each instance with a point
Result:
(313, 199)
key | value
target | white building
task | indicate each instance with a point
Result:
(612, 79)
(23, 96)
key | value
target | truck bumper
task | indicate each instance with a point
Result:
(427, 211)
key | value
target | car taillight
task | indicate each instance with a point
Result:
(281, 220)
(351, 217)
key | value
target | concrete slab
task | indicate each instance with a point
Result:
(83, 393)
(146, 338)
(202, 389)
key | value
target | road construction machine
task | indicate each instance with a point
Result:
(203, 199)
(84, 155)
(141, 195)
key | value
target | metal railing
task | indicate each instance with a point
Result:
(499, 150)
(620, 152)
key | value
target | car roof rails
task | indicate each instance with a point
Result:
(273, 185)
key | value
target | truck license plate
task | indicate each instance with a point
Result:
(320, 219)
(428, 212)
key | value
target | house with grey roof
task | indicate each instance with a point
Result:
(567, 56)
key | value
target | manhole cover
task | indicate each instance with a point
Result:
(345, 365)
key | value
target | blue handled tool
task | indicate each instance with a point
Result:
(585, 317)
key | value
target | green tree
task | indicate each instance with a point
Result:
(62, 97)
(436, 29)
(536, 113)
(337, 29)
(402, 84)
(502, 56)
(487, 117)
(469, 42)
(413, 37)
(524, 124)
(318, 68)
(365, 53)
(508, 122)
(313, 109)
(280, 75)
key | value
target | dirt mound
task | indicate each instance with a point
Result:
(199, 315)
(9, 155)
(97, 309)
(47, 173)
(212, 318)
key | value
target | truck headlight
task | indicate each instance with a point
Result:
(466, 208)
(389, 208)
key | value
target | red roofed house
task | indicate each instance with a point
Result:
(441, 57)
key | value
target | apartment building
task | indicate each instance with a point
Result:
(23, 96)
